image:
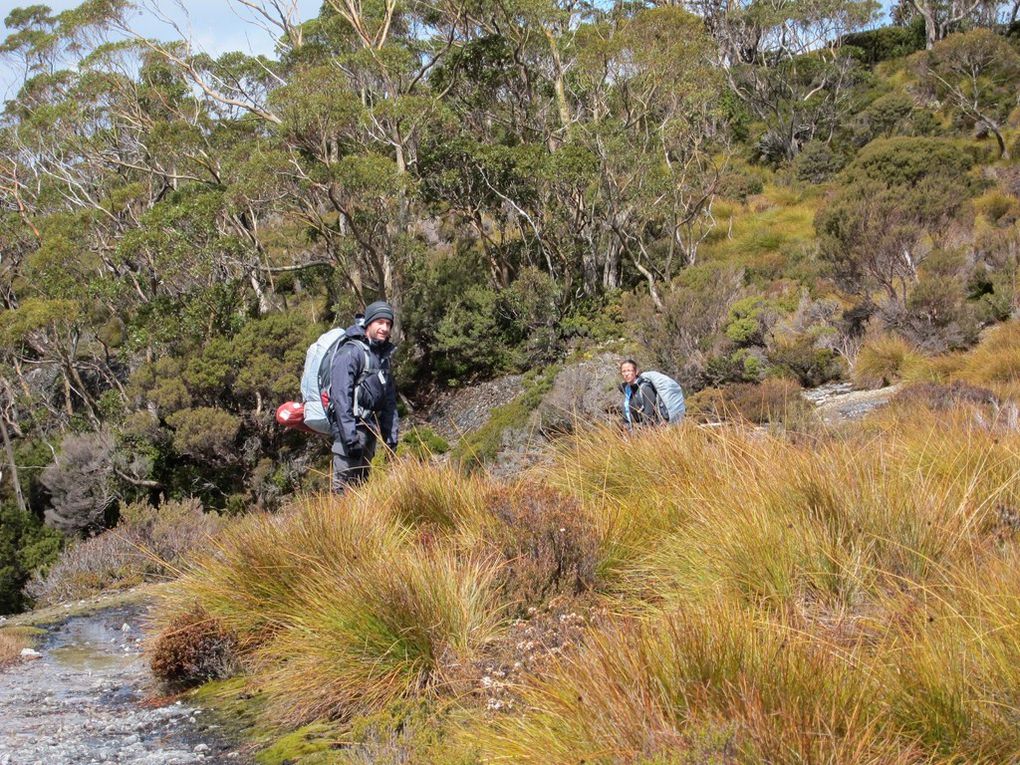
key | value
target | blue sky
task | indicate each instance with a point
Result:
(216, 26)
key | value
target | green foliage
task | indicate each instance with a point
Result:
(816, 163)
(515, 186)
(205, 433)
(895, 192)
(423, 442)
(26, 546)
(907, 162)
(976, 72)
(884, 43)
(748, 320)
(476, 331)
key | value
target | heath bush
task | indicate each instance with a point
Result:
(149, 543)
(205, 433)
(549, 546)
(193, 648)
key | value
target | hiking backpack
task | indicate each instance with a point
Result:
(670, 392)
(315, 380)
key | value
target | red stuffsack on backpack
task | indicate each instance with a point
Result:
(291, 414)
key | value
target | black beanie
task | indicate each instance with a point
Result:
(380, 309)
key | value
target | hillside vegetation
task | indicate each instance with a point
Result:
(685, 595)
(752, 198)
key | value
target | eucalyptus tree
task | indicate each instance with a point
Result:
(976, 72)
(656, 133)
(783, 60)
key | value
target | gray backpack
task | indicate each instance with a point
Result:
(670, 392)
(315, 377)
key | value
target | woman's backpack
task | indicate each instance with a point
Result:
(670, 392)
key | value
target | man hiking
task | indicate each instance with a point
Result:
(362, 397)
(649, 398)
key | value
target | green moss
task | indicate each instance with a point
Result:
(314, 743)
(404, 733)
(234, 707)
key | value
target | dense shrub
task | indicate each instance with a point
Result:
(817, 162)
(26, 546)
(888, 115)
(193, 648)
(739, 184)
(205, 433)
(876, 45)
(466, 329)
(896, 198)
(149, 543)
(801, 355)
(549, 546)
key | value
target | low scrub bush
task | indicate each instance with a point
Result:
(149, 543)
(193, 648)
(547, 542)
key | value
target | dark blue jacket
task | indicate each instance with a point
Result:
(642, 404)
(376, 394)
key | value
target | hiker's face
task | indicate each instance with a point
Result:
(379, 330)
(628, 372)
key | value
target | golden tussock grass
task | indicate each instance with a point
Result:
(12, 642)
(888, 359)
(844, 597)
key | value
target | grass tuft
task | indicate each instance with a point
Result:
(838, 596)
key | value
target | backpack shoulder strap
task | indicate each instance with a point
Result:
(366, 364)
